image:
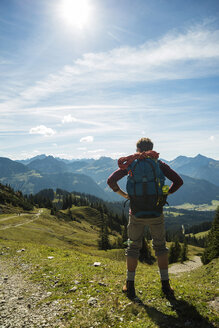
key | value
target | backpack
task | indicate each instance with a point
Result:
(144, 187)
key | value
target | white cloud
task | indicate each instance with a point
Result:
(212, 138)
(81, 148)
(192, 54)
(42, 129)
(96, 151)
(87, 139)
(68, 119)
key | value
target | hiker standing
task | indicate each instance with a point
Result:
(145, 190)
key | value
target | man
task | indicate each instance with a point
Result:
(136, 223)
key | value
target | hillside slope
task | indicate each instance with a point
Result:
(91, 296)
(59, 256)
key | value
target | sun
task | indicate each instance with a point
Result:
(76, 12)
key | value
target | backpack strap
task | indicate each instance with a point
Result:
(132, 171)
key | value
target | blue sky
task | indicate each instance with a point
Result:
(91, 88)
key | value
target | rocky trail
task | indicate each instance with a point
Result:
(23, 303)
(189, 265)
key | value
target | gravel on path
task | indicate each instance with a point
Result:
(19, 301)
(192, 264)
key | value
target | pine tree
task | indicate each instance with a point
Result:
(212, 242)
(119, 243)
(174, 251)
(184, 252)
(124, 235)
(69, 214)
(103, 242)
(64, 203)
(145, 252)
(177, 249)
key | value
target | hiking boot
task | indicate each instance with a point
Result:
(167, 290)
(129, 289)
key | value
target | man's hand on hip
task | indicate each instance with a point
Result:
(123, 194)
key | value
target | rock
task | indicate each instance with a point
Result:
(50, 257)
(102, 284)
(92, 301)
(20, 298)
(96, 264)
(21, 250)
(76, 282)
(215, 304)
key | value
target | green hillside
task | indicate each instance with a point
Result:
(57, 252)
(11, 201)
(199, 234)
(49, 230)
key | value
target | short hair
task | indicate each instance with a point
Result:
(144, 144)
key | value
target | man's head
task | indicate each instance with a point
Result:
(144, 144)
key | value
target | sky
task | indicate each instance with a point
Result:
(88, 78)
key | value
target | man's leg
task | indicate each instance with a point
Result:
(131, 263)
(161, 251)
(162, 261)
(135, 231)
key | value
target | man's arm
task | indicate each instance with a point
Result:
(177, 181)
(112, 182)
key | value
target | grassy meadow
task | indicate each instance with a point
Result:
(60, 255)
(199, 207)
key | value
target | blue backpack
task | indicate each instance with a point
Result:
(144, 187)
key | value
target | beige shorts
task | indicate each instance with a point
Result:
(136, 232)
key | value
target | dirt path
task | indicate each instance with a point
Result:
(35, 217)
(19, 301)
(11, 217)
(186, 266)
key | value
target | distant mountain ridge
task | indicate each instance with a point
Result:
(199, 167)
(28, 180)
(90, 176)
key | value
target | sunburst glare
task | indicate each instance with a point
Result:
(76, 12)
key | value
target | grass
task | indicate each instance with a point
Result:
(199, 234)
(49, 230)
(199, 207)
(172, 214)
(193, 290)
(72, 246)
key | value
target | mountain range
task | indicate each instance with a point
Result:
(200, 175)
